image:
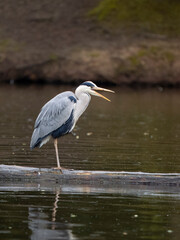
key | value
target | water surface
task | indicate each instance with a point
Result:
(138, 131)
(85, 213)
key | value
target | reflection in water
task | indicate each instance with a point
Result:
(55, 206)
(123, 190)
(67, 214)
(45, 229)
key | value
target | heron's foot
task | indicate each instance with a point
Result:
(58, 168)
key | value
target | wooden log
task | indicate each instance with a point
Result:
(13, 173)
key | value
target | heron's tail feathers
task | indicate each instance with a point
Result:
(37, 141)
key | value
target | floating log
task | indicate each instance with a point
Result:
(13, 173)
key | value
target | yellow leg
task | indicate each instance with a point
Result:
(57, 154)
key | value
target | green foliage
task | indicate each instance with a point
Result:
(135, 62)
(9, 45)
(157, 16)
(53, 57)
(153, 52)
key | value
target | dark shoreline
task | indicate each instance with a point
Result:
(132, 85)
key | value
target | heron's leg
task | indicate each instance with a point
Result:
(57, 154)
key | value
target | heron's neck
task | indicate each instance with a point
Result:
(83, 100)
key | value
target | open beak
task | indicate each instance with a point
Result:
(101, 89)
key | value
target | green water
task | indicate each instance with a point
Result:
(65, 214)
(138, 131)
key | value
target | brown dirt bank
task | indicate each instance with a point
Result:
(56, 41)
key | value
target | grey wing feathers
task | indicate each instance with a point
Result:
(52, 116)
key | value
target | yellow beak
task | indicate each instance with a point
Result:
(101, 89)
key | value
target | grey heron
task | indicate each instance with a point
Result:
(59, 116)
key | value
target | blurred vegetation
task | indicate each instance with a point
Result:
(9, 44)
(139, 60)
(154, 53)
(154, 16)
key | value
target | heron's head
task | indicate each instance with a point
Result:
(91, 88)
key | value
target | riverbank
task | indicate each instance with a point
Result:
(53, 42)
